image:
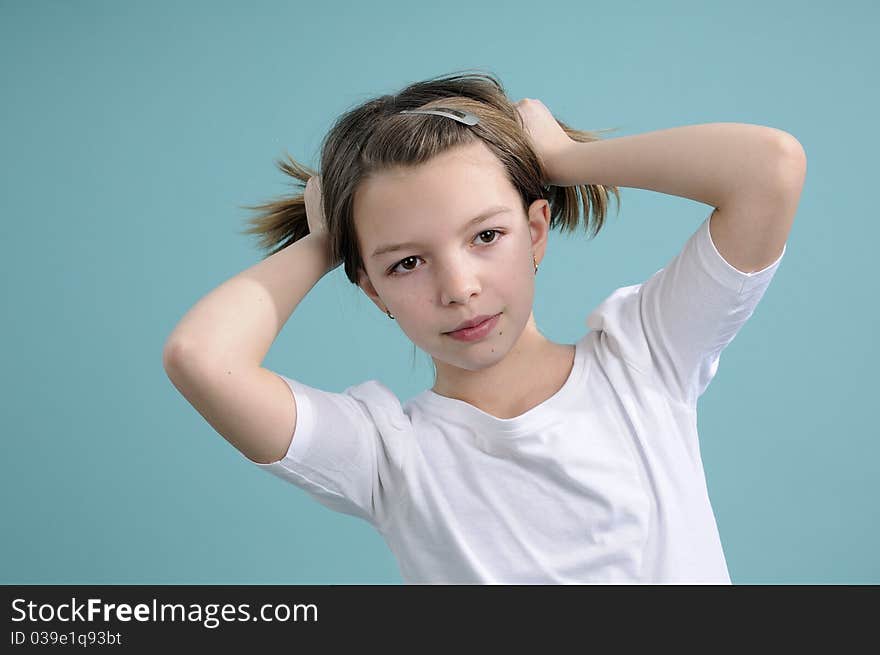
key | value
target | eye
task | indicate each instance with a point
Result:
(404, 271)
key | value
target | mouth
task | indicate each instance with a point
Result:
(470, 324)
(475, 332)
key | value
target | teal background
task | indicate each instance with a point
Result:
(132, 132)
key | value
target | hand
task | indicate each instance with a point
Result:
(548, 138)
(315, 206)
(315, 217)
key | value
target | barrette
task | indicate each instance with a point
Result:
(455, 114)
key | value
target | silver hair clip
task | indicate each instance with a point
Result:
(455, 114)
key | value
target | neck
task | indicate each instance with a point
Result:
(497, 383)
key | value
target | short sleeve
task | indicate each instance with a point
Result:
(674, 326)
(349, 449)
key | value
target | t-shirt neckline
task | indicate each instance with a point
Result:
(460, 411)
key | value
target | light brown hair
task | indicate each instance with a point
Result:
(374, 137)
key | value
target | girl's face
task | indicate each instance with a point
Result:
(451, 269)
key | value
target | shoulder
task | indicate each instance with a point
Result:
(380, 402)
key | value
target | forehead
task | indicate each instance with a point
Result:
(449, 189)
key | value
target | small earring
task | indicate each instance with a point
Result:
(389, 314)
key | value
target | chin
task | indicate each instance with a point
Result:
(479, 356)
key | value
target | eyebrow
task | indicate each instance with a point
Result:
(488, 213)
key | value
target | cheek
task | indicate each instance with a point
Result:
(518, 266)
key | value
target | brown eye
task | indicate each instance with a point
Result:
(393, 271)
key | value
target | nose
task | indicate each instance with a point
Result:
(458, 284)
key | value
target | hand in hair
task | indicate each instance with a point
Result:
(315, 206)
(548, 138)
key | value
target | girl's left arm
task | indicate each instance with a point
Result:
(751, 174)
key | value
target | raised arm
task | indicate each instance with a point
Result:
(751, 174)
(214, 355)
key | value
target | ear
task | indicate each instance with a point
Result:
(539, 226)
(367, 287)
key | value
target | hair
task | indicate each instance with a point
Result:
(374, 137)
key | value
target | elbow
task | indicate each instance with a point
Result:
(791, 152)
(172, 354)
(790, 166)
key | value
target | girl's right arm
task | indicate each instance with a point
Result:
(214, 356)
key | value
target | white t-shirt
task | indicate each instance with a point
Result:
(601, 483)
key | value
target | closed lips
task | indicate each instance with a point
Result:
(471, 323)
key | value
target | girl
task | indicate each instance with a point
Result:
(528, 461)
